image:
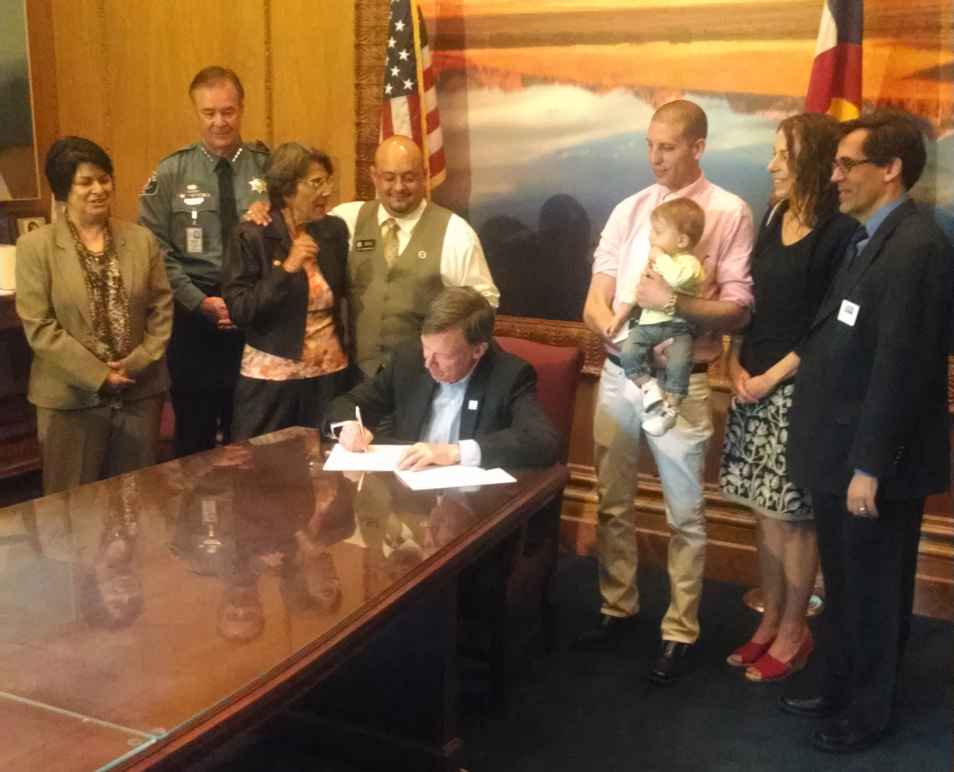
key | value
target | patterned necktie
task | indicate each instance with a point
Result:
(852, 252)
(228, 212)
(389, 233)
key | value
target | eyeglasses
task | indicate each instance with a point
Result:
(845, 165)
(320, 184)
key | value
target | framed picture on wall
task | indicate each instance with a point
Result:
(27, 224)
(19, 177)
(7, 230)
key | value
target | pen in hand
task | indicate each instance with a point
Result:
(357, 417)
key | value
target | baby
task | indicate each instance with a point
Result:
(676, 227)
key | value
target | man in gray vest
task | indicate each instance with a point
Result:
(191, 202)
(404, 251)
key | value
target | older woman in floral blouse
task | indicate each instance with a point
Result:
(283, 285)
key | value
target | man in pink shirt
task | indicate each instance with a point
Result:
(676, 140)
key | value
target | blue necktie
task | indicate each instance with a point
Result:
(852, 252)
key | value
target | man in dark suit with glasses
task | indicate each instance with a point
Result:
(869, 428)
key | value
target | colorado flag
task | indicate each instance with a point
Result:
(835, 85)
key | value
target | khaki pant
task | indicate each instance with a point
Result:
(82, 446)
(680, 459)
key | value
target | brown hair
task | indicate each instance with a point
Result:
(213, 75)
(688, 115)
(287, 166)
(462, 307)
(685, 215)
(893, 134)
(812, 140)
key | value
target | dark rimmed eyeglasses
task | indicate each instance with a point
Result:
(845, 165)
(322, 185)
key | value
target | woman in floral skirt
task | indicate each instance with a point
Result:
(799, 247)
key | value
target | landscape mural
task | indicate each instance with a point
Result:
(545, 104)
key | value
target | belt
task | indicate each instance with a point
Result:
(697, 367)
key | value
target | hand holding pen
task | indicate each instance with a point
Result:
(354, 436)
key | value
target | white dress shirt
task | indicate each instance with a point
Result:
(462, 257)
(443, 420)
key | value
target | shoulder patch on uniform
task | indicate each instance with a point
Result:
(151, 187)
(258, 147)
(179, 151)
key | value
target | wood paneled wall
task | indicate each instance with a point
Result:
(117, 71)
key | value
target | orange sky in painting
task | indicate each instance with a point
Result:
(901, 72)
(689, 67)
(494, 7)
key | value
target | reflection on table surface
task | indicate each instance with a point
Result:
(34, 738)
(147, 599)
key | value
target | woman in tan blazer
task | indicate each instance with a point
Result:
(96, 308)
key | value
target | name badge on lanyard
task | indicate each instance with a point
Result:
(194, 240)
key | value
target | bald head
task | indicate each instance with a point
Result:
(397, 149)
(676, 140)
(687, 115)
(398, 175)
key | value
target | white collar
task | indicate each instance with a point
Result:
(405, 222)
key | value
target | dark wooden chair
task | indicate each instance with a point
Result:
(505, 599)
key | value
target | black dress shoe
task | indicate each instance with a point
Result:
(608, 630)
(671, 662)
(845, 736)
(810, 707)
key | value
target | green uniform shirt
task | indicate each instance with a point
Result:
(180, 204)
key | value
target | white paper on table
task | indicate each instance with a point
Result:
(378, 458)
(456, 476)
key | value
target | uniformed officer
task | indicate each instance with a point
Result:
(191, 202)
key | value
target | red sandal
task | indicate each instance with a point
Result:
(748, 653)
(767, 669)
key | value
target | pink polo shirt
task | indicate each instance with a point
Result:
(723, 250)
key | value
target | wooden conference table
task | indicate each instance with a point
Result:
(145, 618)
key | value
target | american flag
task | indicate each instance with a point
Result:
(835, 85)
(410, 95)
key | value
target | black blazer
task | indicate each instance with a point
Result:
(873, 395)
(269, 303)
(506, 420)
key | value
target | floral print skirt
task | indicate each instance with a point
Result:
(753, 467)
